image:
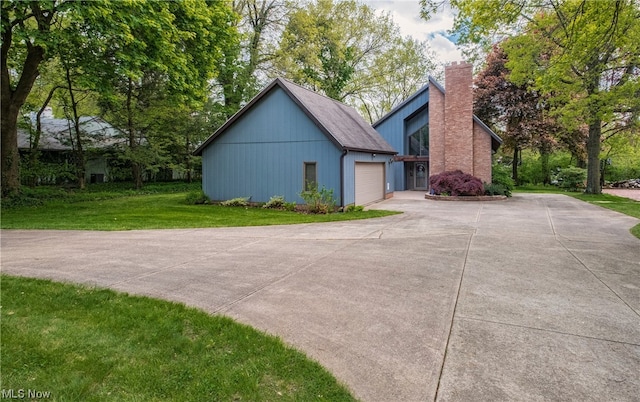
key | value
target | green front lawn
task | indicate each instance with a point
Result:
(86, 344)
(165, 208)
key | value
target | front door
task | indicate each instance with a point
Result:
(420, 176)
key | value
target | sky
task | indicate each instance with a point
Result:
(406, 13)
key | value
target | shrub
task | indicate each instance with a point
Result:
(572, 178)
(236, 202)
(319, 201)
(275, 202)
(501, 175)
(496, 189)
(197, 198)
(354, 208)
(456, 183)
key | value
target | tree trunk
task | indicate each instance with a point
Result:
(10, 155)
(11, 102)
(78, 151)
(514, 167)
(135, 166)
(593, 158)
(546, 175)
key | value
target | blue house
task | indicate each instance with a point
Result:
(288, 136)
(435, 131)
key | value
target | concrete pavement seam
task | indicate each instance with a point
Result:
(559, 241)
(547, 330)
(455, 307)
(247, 295)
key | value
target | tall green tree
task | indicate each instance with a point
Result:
(246, 59)
(584, 53)
(330, 46)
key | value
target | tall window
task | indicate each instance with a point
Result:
(419, 142)
(310, 176)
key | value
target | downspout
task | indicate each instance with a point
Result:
(344, 153)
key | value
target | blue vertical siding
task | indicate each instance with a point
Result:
(263, 153)
(393, 128)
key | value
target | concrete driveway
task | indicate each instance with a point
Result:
(532, 298)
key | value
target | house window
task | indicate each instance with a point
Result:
(419, 142)
(310, 176)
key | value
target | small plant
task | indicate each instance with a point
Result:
(496, 189)
(456, 183)
(501, 175)
(572, 178)
(275, 202)
(196, 198)
(236, 202)
(354, 208)
(289, 206)
(318, 201)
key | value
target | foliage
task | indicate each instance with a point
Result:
(236, 202)
(354, 208)
(148, 350)
(516, 112)
(278, 202)
(347, 51)
(501, 181)
(318, 201)
(572, 178)
(456, 183)
(496, 189)
(197, 198)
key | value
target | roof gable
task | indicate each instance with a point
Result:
(339, 122)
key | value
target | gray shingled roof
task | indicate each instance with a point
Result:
(341, 123)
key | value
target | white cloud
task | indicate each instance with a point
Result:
(406, 13)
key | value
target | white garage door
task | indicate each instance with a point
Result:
(369, 183)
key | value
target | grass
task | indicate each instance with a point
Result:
(619, 204)
(106, 207)
(90, 344)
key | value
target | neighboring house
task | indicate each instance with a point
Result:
(436, 131)
(56, 139)
(288, 136)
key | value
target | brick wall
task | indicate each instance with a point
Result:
(481, 154)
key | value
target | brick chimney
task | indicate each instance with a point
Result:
(458, 117)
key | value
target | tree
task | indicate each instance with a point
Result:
(259, 23)
(584, 54)
(115, 44)
(331, 47)
(519, 114)
(394, 75)
(26, 38)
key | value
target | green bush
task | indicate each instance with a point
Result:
(319, 201)
(196, 198)
(501, 176)
(496, 189)
(236, 202)
(275, 202)
(354, 208)
(572, 178)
